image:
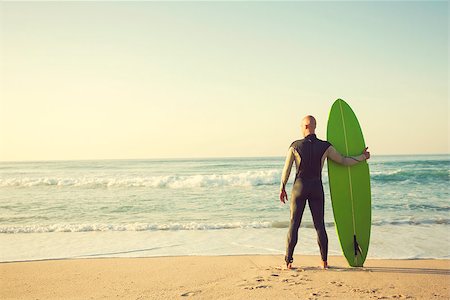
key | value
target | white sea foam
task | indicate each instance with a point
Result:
(250, 178)
(13, 229)
(131, 227)
(390, 172)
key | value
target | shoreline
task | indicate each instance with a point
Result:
(212, 255)
(224, 277)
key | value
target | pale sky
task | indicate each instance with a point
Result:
(101, 80)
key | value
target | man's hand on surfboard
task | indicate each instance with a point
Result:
(366, 153)
(283, 196)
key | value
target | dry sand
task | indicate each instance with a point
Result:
(223, 277)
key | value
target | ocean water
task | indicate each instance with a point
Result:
(138, 208)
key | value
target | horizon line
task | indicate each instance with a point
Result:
(194, 158)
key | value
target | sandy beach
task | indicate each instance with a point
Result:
(223, 277)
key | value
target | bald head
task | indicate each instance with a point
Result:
(308, 125)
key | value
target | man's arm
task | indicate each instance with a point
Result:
(334, 155)
(286, 172)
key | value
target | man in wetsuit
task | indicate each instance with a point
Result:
(309, 155)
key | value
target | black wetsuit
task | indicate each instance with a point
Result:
(308, 187)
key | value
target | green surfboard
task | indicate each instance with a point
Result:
(349, 186)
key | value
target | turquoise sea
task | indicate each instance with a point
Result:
(98, 208)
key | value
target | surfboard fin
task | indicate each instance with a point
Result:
(357, 249)
(356, 246)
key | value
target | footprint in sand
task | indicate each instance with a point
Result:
(262, 286)
(305, 279)
(191, 293)
(337, 283)
(293, 269)
(398, 296)
(365, 291)
(257, 287)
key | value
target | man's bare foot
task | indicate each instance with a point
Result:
(324, 265)
(288, 266)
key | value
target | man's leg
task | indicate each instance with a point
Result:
(298, 202)
(316, 204)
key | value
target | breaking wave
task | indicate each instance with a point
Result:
(249, 178)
